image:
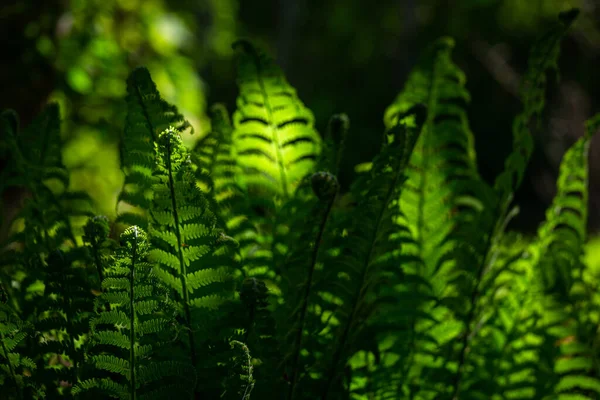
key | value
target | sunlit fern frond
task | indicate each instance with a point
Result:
(568, 328)
(213, 155)
(195, 258)
(449, 210)
(275, 143)
(147, 115)
(444, 191)
(216, 171)
(130, 331)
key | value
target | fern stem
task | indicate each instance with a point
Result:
(313, 263)
(183, 269)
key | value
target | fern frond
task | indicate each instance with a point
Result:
(275, 143)
(368, 266)
(36, 166)
(15, 368)
(195, 258)
(147, 115)
(542, 60)
(444, 190)
(217, 172)
(240, 381)
(260, 334)
(131, 331)
(63, 317)
(567, 302)
(448, 209)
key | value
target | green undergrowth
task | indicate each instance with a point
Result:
(242, 270)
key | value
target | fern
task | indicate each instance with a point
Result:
(444, 189)
(260, 335)
(147, 115)
(44, 223)
(193, 254)
(133, 328)
(213, 156)
(366, 261)
(36, 166)
(543, 57)
(240, 373)
(15, 368)
(542, 60)
(259, 276)
(274, 140)
(313, 202)
(557, 253)
(446, 205)
(62, 320)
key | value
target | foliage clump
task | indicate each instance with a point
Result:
(244, 270)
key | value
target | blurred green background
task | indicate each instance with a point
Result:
(342, 56)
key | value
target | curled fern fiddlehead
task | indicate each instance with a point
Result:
(324, 185)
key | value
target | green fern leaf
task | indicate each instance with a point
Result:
(557, 254)
(213, 155)
(443, 188)
(217, 172)
(274, 140)
(147, 115)
(131, 331)
(15, 368)
(542, 60)
(194, 257)
(369, 262)
(240, 381)
(36, 167)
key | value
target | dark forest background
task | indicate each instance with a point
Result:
(348, 56)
